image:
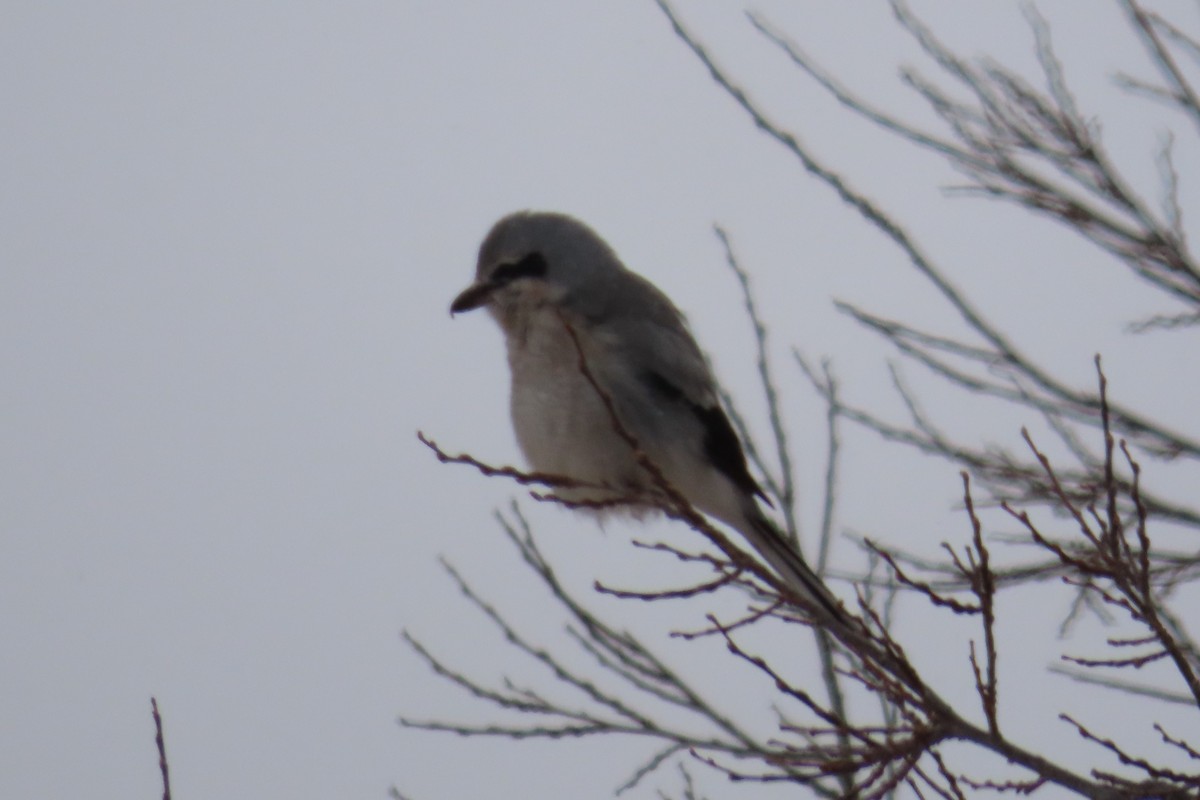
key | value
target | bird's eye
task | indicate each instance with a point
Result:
(531, 266)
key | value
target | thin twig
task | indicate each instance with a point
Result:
(160, 743)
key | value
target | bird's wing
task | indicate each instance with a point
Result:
(721, 444)
(652, 342)
(646, 331)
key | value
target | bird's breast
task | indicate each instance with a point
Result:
(562, 424)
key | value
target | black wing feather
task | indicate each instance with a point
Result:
(721, 443)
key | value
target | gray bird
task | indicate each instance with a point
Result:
(539, 273)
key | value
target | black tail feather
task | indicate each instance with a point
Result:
(790, 566)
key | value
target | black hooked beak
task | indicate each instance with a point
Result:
(472, 297)
(532, 266)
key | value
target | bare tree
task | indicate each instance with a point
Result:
(871, 722)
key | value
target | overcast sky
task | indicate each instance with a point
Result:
(229, 235)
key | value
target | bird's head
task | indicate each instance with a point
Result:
(535, 259)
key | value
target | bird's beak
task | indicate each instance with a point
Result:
(472, 297)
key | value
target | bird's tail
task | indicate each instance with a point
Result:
(789, 565)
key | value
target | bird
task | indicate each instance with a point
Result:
(603, 365)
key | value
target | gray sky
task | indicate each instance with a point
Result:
(229, 235)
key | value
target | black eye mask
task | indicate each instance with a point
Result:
(531, 266)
